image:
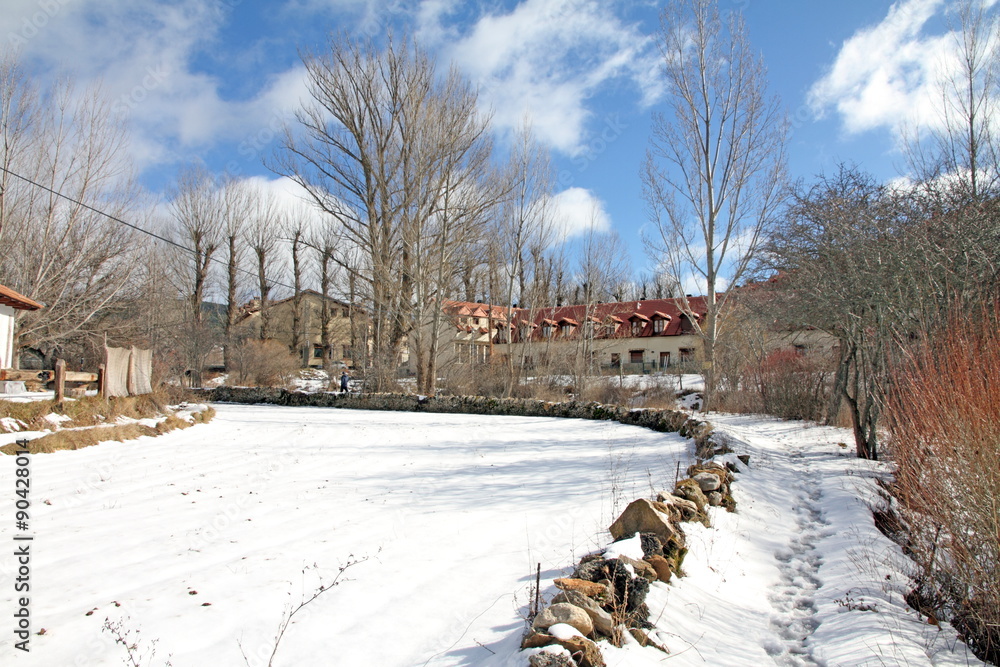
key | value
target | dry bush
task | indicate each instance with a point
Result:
(607, 390)
(783, 383)
(263, 363)
(943, 411)
(488, 379)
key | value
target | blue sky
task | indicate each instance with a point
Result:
(211, 80)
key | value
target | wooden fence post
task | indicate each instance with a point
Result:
(101, 381)
(60, 380)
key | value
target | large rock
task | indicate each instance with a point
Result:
(641, 516)
(603, 623)
(563, 612)
(641, 567)
(591, 589)
(661, 566)
(683, 509)
(707, 482)
(691, 490)
(550, 660)
(585, 651)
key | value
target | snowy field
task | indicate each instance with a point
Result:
(199, 542)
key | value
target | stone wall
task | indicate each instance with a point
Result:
(671, 421)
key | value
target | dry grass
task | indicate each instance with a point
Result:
(944, 423)
(90, 417)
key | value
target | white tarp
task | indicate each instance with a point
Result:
(116, 363)
(140, 372)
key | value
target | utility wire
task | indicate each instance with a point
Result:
(132, 226)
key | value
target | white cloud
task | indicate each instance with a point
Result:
(575, 211)
(142, 54)
(887, 75)
(544, 59)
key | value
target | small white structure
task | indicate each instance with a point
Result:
(10, 302)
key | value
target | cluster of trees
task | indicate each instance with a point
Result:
(59, 250)
(407, 203)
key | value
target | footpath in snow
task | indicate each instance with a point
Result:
(799, 575)
(202, 540)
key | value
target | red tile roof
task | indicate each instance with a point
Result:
(668, 310)
(9, 297)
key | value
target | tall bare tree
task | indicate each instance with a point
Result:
(716, 164)
(197, 227)
(373, 149)
(236, 208)
(262, 233)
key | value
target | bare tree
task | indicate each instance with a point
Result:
(522, 235)
(964, 144)
(715, 168)
(235, 213)
(262, 233)
(63, 157)
(374, 151)
(295, 227)
(197, 228)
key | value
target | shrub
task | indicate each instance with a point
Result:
(943, 416)
(783, 383)
(263, 363)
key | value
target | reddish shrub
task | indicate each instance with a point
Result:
(943, 416)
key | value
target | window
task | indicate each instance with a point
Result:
(664, 359)
(635, 356)
(687, 354)
(616, 359)
(317, 351)
(588, 329)
(566, 329)
(637, 326)
(347, 352)
(610, 328)
(547, 331)
(345, 312)
(475, 320)
(658, 325)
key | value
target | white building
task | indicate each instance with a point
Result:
(10, 303)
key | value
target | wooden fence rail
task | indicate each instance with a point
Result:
(60, 376)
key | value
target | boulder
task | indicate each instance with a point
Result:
(651, 544)
(584, 652)
(550, 660)
(641, 567)
(690, 490)
(641, 516)
(661, 566)
(707, 482)
(687, 510)
(591, 589)
(602, 619)
(591, 567)
(562, 612)
(715, 499)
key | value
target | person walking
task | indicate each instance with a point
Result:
(344, 378)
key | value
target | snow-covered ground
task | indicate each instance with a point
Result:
(202, 540)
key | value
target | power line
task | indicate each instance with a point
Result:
(130, 225)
